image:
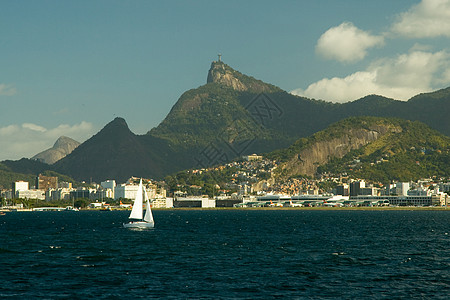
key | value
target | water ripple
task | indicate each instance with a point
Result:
(227, 254)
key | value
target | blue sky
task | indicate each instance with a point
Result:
(70, 67)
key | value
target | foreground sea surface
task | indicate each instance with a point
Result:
(223, 254)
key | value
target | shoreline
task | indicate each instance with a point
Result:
(309, 208)
(383, 208)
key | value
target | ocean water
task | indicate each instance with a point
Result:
(226, 254)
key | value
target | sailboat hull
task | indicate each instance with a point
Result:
(139, 224)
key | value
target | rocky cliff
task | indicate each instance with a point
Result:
(319, 151)
(224, 75)
(62, 147)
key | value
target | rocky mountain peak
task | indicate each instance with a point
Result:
(223, 74)
(62, 147)
(64, 141)
(118, 122)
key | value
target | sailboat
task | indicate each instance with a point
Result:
(137, 219)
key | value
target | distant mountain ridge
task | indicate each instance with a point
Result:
(231, 115)
(62, 147)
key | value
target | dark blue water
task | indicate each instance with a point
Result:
(226, 254)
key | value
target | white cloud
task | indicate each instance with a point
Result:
(72, 131)
(9, 130)
(7, 90)
(399, 78)
(29, 139)
(33, 127)
(346, 43)
(429, 18)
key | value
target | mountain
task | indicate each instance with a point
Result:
(380, 149)
(234, 114)
(62, 147)
(276, 117)
(432, 109)
(215, 112)
(231, 115)
(115, 153)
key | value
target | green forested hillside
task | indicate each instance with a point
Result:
(417, 151)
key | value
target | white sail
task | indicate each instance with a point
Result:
(136, 220)
(148, 211)
(137, 211)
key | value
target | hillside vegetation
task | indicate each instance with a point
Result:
(378, 149)
(233, 115)
(417, 151)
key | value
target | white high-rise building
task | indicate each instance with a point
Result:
(402, 188)
(125, 191)
(109, 186)
(19, 186)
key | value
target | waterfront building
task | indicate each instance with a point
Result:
(46, 182)
(401, 188)
(203, 202)
(420, 191)
(355, 187)
(342, 189)
(440, 199)
(81, 193)
(128, 191)
(208, 203)
(98, 194)
(19, 186)
(109, 185)
(228, 202)
(125, 191)
(31, 194)
(109, 193)
(371, 191)
(61, 194)
(162, 203)
(398, 200)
